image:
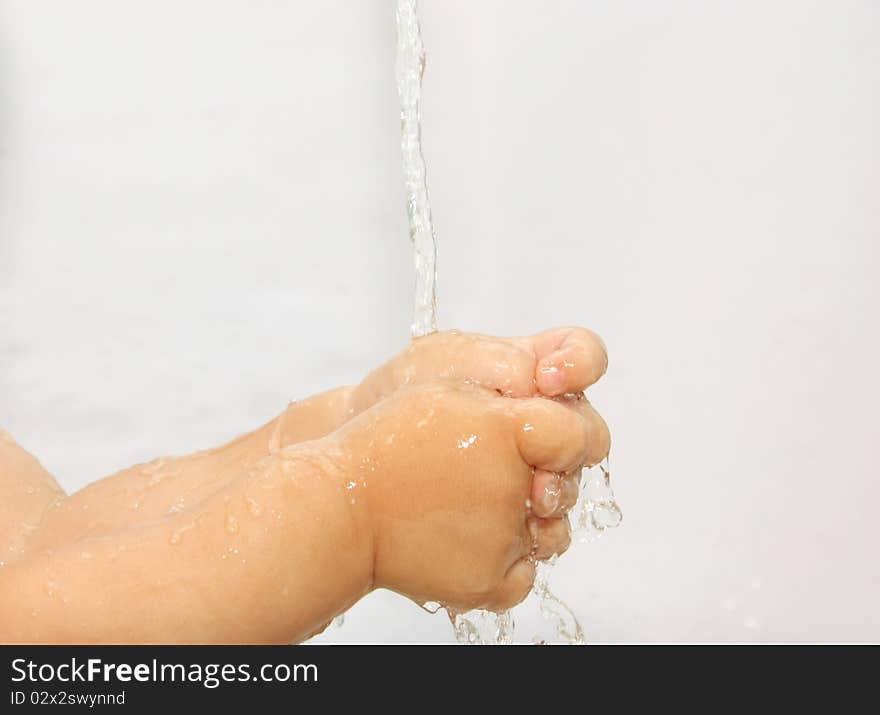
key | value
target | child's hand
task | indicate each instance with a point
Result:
(441, 476)
(555, 362)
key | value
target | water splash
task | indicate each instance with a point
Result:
(482, 627)
(596, 510)
(410, 68)
(563, 623)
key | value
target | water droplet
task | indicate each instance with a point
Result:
(466, 442)
(431, 606)
(338, 622)
(177, 507)
(231, 524)
(528, 427)
(425, 420)
(178, 533)
(253, 507)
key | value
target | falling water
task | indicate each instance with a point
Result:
(410, 67)
(594, 513)
(596, 509)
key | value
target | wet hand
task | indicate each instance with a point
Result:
(551, 363)
(441, 475)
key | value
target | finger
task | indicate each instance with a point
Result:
(569, 360)
(500, 365)
(553, 494)
(496, 363)
(550, 536)
(598, 434)
(551, 436)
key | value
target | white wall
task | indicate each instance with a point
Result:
(201, 216)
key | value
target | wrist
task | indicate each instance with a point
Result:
(345, 515)
(326, 552)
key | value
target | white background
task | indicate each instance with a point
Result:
(201, 216)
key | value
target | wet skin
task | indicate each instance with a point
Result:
(441, 476)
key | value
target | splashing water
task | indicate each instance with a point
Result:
(561, 618)
(482, 627)
(596, 510)
(410, 68)
(594, 513)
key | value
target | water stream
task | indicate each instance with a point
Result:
(410, 67)
(596, 509)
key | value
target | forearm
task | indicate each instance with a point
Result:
(147, 492)
(268, 558)
(29, 493)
